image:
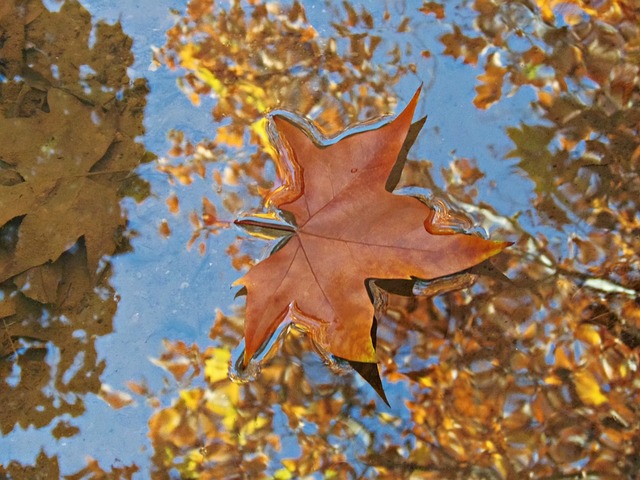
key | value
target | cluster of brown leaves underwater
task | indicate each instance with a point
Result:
(60, 215)
(531, 379)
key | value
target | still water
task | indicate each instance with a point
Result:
(133, 134)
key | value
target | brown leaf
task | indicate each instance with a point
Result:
(349, 229)
(433, 7)
(55, 136)
(457, 44)
(164, 229)
(48, 230)
(490, 89)
(40, 283)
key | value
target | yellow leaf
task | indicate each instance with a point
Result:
(223, 401)
(193, 460)
(250, 427)
(425, 382)
(163, 423)
(255, 95)
(588, 388)
(189, 61)
(210, 79)
(191, 398)
(552, 379)
(500, 464)
(282, 474)
(589, 334)
(217, 366)
(291, 464)
(259, 128)
(561, 358)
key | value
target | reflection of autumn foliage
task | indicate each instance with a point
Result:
(69, 116)
(583, 62)
(527, 399)
(558, 46)
(492, 398)
(223, 430)
(260, 57)
(534, 378)
(255, 57)
(47, 467)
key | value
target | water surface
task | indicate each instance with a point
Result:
(132, 135)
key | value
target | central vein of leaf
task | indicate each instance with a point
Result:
(349, 241)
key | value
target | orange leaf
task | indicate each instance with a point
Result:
(114, 398)
(209, 215)
(230, 135)
(137, 388)
(173, 203)
(349, 229)
(490, 89)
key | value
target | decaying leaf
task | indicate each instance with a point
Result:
(349, 230)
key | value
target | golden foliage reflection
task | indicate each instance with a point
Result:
(533, 377)
(255, 57)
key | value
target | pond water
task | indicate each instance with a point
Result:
(133, 134)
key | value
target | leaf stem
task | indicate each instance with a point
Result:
(270, 226)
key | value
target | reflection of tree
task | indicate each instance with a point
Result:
(254, 57)
(258, 57)
(566, 389)
(68, 120)
(47, 467)
(585, 73)
(535, 378)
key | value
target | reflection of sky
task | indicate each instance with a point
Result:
(167, 292)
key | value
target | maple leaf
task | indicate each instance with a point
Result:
(349, 230)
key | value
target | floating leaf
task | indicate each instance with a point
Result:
(349, 230)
